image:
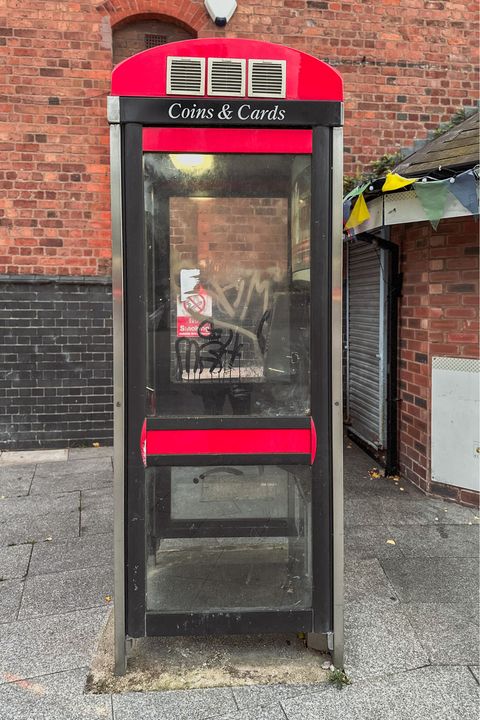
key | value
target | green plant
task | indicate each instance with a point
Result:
(378, 168)
(384, 164)
(350, 182)
(338, 678)
(457, 117)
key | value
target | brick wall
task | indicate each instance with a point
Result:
(131, 38)
(439, 316)
(407, 65)
(56, 363)
(229, 235)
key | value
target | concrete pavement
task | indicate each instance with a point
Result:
(412, 624)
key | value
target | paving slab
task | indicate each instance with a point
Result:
(89, 551)
(15, 480)
(362, 511)
(53, 697)
(430, 693)
(27, 457)
(73, 475)
(52, 644)
(74, 467)
(362, 485)
(422, 511)
(379, 639)
(49, 644)
(97, 511)
(356, 462)
(64, 592)
(255, 696)
(36, 518)
(175, 705)
(449, 632)
(14, 561)
(437, 540)
(433, 579)
(370, 541)
(270, 712)
(10, 596)
(365, 580)
(90, 452)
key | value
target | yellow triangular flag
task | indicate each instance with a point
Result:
(394, 182)
(359, 213)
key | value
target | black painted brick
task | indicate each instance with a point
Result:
(420, 402)
(462, 288)
(444, 490)
(421, 357)
(55, 364)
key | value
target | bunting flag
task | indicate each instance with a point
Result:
(359, 213)
(433, 196)
(356, 191)
(395, 182)
(464, 188)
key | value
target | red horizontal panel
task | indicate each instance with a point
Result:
(229, 442)
(226, 140)
(313, 449)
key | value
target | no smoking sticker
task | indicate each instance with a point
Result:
(188, 312)
(195, 304)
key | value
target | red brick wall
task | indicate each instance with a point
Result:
(129, 38)
(439, 316)
(229, 237)
(407, 66)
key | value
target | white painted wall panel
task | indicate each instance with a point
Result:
(455, 422)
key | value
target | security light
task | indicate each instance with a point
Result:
(220, 10)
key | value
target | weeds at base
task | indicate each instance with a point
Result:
(338, 678)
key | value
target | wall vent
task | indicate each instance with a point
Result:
(152, 40)
(185, 76)
(267, 78)
(226, 77)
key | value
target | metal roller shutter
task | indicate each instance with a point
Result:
(366, 367)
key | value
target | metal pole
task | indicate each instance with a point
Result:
(337, 409)
(118, 384)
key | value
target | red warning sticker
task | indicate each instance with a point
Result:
(188, 312)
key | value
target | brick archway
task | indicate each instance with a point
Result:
(189, 14)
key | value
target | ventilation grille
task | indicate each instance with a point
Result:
(185, 76)
(226, 77)
(152, 40)
(458, 364)
(266, 78)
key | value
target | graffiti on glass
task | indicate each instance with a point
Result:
(235, 344)
(216, 351)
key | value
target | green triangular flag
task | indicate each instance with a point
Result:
(432, 196)
(356, 191)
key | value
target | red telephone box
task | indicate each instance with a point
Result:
(226, 210)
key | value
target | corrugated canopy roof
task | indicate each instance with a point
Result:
(458, 148)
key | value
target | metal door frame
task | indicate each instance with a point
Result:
(128, 116)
